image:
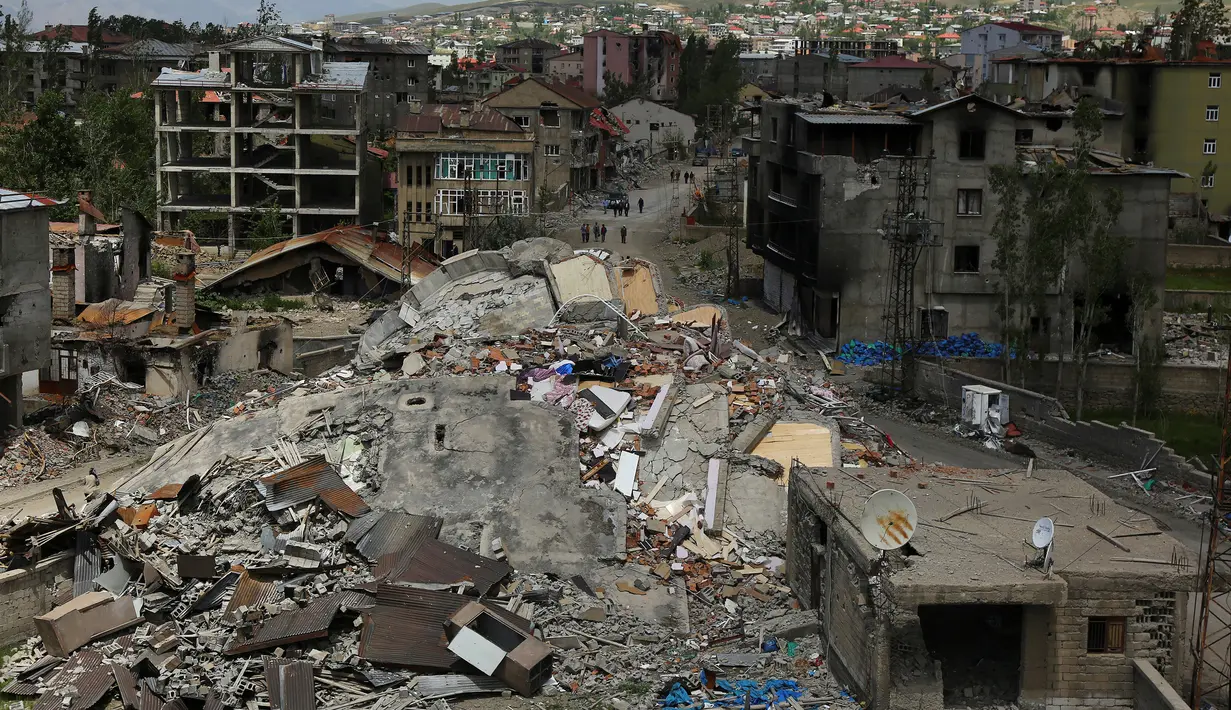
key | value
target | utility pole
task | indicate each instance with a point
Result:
(722, 183)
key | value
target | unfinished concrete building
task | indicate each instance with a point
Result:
(269, 124)
(965, 615)
(823, 178)
(25, 299)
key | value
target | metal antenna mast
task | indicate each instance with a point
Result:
(1212, 666)
(907, 230)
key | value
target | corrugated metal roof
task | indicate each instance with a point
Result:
(87, 564)
(13, 200)
(382, 258)
(214, 702)
(168, 492)
(149, 700)
(337, 76)
(127, 683)
(89, 677)
(304, 624)
(433, 117)
(439, 562)
(26, 681)
(406, 628)
(176, 704)
(113, 311)
(212, 598)
(250, 592)
(290, 684)
(313, 478)
(198, 79)
(449, 684)
(396, 533)
(883, 119)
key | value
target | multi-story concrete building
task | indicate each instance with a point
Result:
(459, 167)
(653, 57)
(865, 48)
(135, 64)
(269, 124)
(531, 55)
(25, 300)
(867, 78)
(979, 42)
(1172, 113)
(822, 179)
(570, 151)
(656, 127)
(400, 75)
(806, 74)
(566, 68)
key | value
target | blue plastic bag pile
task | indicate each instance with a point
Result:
(767, 694)
(964, 345)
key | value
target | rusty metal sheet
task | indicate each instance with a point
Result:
(149, 700)
(312, 479)
(309, 622)
(113, 311)
(251, 592)
(396, 533)
(290, 684)
(87, 564)
(176, 704)
(407, 628)
(89, 677)
(130, 694)
(167, 492)
(440, 562)
(26, 681)
(213, 701)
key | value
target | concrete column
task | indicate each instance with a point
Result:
(63, 284)
(185, 277)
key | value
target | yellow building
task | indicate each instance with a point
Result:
(458, 168)
(1190, 129)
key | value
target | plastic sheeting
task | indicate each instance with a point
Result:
(966, 345)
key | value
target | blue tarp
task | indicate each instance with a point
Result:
(965, 345)
(771, 692)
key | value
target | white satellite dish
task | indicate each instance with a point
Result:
(1044, 531)
(889, 519)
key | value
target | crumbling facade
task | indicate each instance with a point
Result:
(652, 58)
(25, 300)
(531, 54)
(458, 167)
(822, 180)
(270, 124)
(400, 76)
(965, 615)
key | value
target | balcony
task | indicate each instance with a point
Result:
(783, 199)
(808, 163)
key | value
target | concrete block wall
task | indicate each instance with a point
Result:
(1199, 256)
(1151, 691)
(26, 593)
(1175, 301)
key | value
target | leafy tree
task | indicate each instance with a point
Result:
(43, 155)
(116, 135)
(1196, 20)
(266, 228)
(616, 91)
(1006, 185)
(268, 19)
(1149, 350)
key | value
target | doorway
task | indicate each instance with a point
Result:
(979, 648)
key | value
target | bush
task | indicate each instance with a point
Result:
(706, 260)
(161, 269)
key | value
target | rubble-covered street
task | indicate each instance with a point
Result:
(585, 504)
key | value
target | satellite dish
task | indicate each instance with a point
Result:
(889, 519)
(1044, 531)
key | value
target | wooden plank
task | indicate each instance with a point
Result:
(1107, 537)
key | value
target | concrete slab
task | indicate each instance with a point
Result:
(457, 448)
(664, 603)
(754, 502)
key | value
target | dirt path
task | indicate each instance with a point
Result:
(35, 498)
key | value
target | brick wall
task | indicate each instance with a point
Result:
(26, 593)
(1082, 679)
(1199, 256)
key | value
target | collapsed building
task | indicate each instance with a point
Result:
(969, 612)
(824, 178)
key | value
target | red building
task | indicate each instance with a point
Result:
(652, 57)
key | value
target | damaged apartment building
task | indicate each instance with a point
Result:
(823, 178)
(269, 124)
(972, 610)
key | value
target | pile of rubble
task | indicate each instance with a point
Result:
(483, 503)
(1191, 338)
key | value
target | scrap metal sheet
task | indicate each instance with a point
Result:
(310, 622)
(88, 563)
(290, 684)
(438, 562)
(251, 592)
(450, 684)
(397, 533)
(87, 674)
(311, 479)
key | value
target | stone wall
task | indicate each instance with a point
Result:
(1199, 256)
(26, 593)
(1109, 385)
(1189, 301)
(1043, 417)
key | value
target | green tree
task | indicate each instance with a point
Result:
(1196, 20)
(44, 155)
(1006, 185)
(616, 91)
(116, 135)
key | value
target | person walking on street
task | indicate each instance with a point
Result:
(624, 234)
(594, 232)
(640, 205)
(585, 233)
(604, 233)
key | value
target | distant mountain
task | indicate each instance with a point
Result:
(69, 12)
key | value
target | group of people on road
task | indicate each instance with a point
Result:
(681, 175)
(599, 232)
(619, 207)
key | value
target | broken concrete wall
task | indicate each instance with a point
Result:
(316, 355)
(1151, 691)
(170, 373)
(96, 264)
(26, 593)
(134, 252)
(270, 347)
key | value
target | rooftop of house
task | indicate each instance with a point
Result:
(435, 117)
(891, 61)
(154, 49)
(973, 530)
(531, 43)
(358, 45)
(80, 33)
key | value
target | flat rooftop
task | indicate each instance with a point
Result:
(981, 552)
